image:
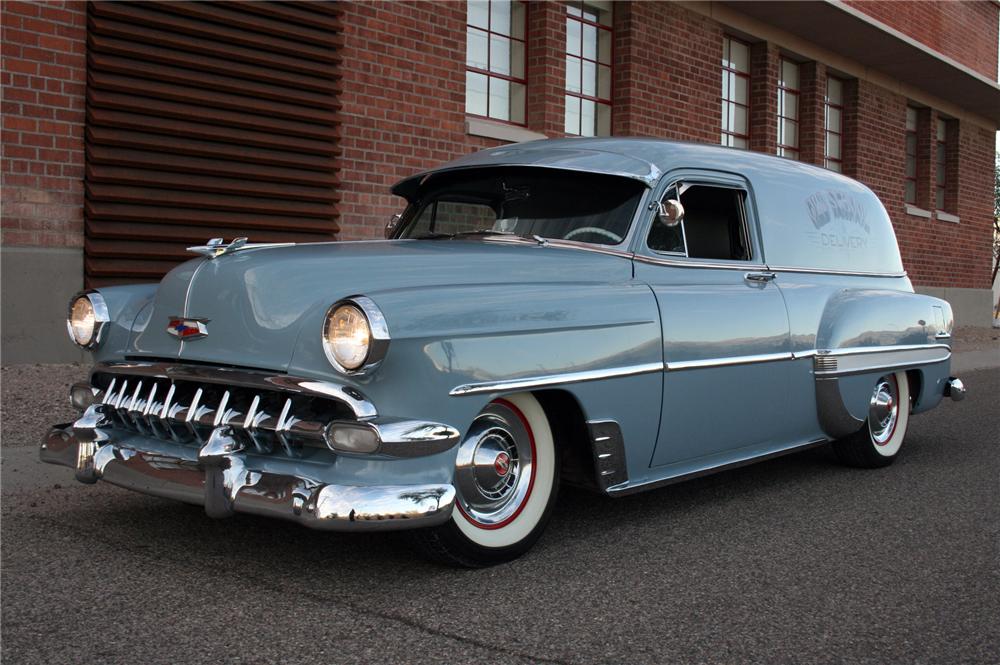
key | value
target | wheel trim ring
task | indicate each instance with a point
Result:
(531, 477)
(893, 413)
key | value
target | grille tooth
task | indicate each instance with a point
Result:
(186, 411)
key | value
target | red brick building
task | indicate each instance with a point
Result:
(131, 130)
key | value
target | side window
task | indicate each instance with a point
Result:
(714, 225)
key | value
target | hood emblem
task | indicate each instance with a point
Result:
(187, 329)
(217, 246)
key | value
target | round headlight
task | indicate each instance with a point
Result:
(346, 336)
(87, 316)
(355, 336)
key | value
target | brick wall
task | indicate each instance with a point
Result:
(667, 77)
(43, 78)
(403, 103)
(964, 31)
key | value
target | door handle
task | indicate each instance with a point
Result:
(759, 277)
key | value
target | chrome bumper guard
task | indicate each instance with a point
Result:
(226, 480)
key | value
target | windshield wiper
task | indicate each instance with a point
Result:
(461, 234)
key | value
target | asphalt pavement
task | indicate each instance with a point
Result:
(794, 560)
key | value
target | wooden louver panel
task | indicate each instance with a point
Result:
(207, 119)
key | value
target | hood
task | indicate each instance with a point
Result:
(256, 300)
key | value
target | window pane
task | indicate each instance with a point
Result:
(833, 118)
(499, 99)
(941, 129)
(590, 42)
(604, 46)
(604, 82)
(574, 9)
(911, 118)
(573, 37)
(499, 55)
(741, 92)
(589, 78)
(517, 20)
(500, 16)
(475, 49)
(517, 103)
(739, 56)
(939, 199)
(517, 59)
(789, 134)
(833, 145)
(739, 119)
(475, 93)
(726, 78)
(911, 145)
(740, 143)
(479, 13)
(572, 115)
(588, 118)
(835, 91)
(911, 166)
(789, 74)
(603, 120)
(572, 74)
(911, 191)
(789, 104)
(833, 166)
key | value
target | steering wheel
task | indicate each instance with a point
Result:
(594, 229)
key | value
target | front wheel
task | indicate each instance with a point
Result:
(877, 443)
(506, 480)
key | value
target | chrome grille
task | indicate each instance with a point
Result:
(188, 411)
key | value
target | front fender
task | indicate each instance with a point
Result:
(453, 336)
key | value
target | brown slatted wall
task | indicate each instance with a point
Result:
(206, 120)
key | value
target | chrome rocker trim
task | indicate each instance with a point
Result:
(221, 477)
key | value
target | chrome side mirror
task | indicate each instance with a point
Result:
(390, 226)
(671, 212)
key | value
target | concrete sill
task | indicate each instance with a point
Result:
(917, 212)
(500, 131)
(946, 217)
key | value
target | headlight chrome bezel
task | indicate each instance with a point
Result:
(101, 319)
(378, 335)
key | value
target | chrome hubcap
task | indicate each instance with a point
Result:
(883, 410)
(493, 473)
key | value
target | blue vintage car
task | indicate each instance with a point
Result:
(618, 314)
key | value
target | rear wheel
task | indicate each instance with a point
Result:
(878, 443)
(506, 480)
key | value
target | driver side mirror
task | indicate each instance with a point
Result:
(390, 226)
(671, 212)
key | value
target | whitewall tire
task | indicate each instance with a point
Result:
(506, 481)
(879, 441)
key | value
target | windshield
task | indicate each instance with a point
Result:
(544, 203)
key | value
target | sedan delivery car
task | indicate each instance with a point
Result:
(618, 314)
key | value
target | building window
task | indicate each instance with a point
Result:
(833, 123)
(910, 194)
(588, 69)
(788, 109)
(494, 60)
(941, 175)
(735, 93)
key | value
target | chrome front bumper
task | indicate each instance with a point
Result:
(225, 480)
